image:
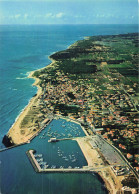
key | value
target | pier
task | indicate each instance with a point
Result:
(56, 140)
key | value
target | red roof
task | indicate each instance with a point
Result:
(80, 101)
(129, 156)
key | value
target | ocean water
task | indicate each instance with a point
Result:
(24, 48)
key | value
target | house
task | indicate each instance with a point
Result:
(129, 156)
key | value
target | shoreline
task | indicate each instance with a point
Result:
(104, 172)
(11, 137)
(22, 114)
(20, 132)
(11, 134)
(15, 138)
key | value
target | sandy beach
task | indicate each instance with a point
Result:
(15, 130)
(28, 124)
(17, 133)
(94, 160)
(91, 155)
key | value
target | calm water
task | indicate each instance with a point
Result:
(62, 130)
(23, 49)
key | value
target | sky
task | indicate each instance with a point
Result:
(69, 11)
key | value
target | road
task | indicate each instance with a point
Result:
(118, 151)
(130, 98)
(125, 160)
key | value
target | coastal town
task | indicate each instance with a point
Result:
(95, 83)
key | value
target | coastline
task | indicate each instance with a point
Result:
(13, 137)
(16, 137)
(94, 161)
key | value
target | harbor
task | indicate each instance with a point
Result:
(67, 129)
(42, 167)
(75, 155)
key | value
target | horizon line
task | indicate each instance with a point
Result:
(72, 24)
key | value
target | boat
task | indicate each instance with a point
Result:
(39, 155)
(74, 160)
(45, 166)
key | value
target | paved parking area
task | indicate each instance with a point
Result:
(107, 150)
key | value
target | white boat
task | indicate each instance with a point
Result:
(74, 160)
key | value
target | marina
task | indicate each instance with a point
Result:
(64, 130)
(43, 167)
(77, 155)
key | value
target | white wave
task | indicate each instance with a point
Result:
(24, 74)
(21, 78)
(27, 74)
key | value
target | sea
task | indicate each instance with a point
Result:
(25, 48)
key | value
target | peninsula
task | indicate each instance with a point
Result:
(93, 82)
